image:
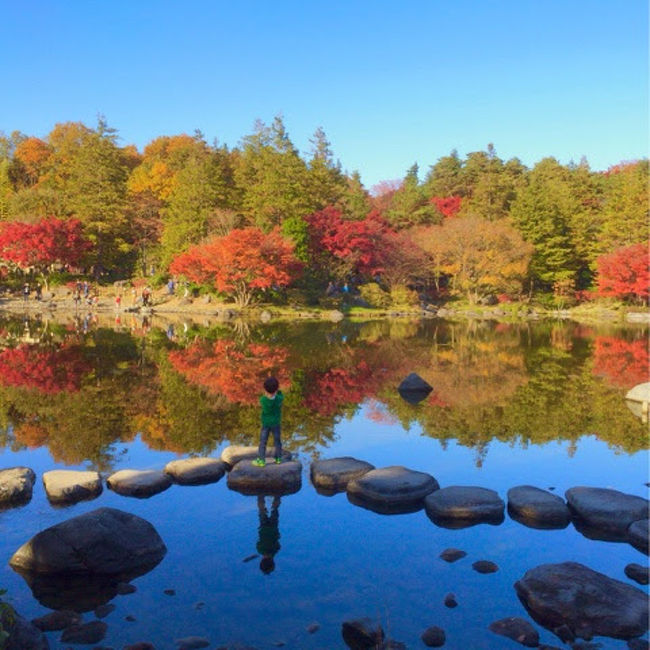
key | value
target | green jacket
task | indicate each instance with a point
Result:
(271, 409)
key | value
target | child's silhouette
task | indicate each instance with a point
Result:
(268, 543)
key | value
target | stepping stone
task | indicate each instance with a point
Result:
(234, 453)
(583, 602)
(537, 508)
(270, 480)
(57, 621)
(85, 634)
(195, 471)
(391, 490)
(460, 506)
(638, 535)
(16, 484)
(414, 389)
(64, 486)
(637, 573)
(602, 513)
(517, 629)
(433, 637)
(333, 475)
(138, 483)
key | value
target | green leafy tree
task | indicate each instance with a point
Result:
(409, 205)
(355, 201)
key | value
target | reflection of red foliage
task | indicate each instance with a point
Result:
(624, 363)
(436, 400)
(48, 370)
(224, 368)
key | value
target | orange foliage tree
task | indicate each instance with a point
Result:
(242, 262)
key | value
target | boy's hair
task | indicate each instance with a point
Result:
(271, 385)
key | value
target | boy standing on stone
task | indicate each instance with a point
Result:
(271, 403)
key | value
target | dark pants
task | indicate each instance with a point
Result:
(264, 436)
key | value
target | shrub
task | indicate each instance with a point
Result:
(374, 295)
(401, 295)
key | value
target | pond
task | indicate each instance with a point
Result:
(513, 403)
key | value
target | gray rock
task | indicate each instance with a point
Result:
(312, 628)
(450, 601)
(16, 485)
(433, 637)
(57, 621)
(603, 513)
(85, 633)
(232, 454)
(192, 643)
(336, 316)
(638, 535)
(586, 602)
(517, 629)
(276, 480)
(391, 489)
(138, 483)
(195, 471)
(68, 486)
(638, 644)
(485, 566)
(537, 508)
(124, 588)
(459, 506)
(414, 389)
(452, 554)
(333, 474)
(362, 633)
(23, 635)
(637, 573)
(142, 645)
(104, 541)
(104, 610)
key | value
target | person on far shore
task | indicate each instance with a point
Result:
(271, 417)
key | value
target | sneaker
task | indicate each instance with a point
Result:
(259, 462)
(278, 460)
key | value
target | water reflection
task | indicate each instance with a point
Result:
(268, 532)
(81, 387)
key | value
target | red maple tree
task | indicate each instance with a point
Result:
(242, 262)
(448, 206)
(625, 273)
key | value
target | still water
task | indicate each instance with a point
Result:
(536, 403)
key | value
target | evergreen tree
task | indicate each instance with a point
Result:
(409, 205)
(445, 178)
(355, 200)
(326, 183)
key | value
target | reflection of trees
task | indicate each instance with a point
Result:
(622, 362)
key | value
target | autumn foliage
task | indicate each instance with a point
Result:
(624, 363)
(448, 206)
(242, 262)
(625, 273)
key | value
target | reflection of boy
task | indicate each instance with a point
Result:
(268, 543)
(271, 416)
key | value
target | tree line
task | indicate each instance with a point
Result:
(261, 215)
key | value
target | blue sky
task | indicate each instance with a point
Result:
(392, 83)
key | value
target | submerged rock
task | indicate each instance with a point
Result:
(16, 484)
(392, 489)
(270, 480)
(332, 475)
(23, 635)
(637, 573)
(192, 643)
(232, 454)
(362, 633)
(414, 389)
(57, 621)
(452, 554)
(517, 629)
(602, 513)
(64, 486)
(638, 535)
(433, 637)
(459, 506)
(537, 508)
(195, 471)
(485, 566)
(85, 633)
(587, 603)
(139, 483)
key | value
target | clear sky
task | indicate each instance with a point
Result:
(391, 82)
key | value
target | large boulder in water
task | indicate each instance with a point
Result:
(587, 603)
(602, 513)
(459, 506)
(16, 484)
(104, 541)
(537, 508)
(332, 475)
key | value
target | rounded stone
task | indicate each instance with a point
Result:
(138, 483)
(587, 603)
(485, 566)
(638, 535)
(332, 475)
(362, 633)
(64, 486)
(85, 633)
(57, 621)
(637, 573)
(272, 479)
(195, 471)
(537, 508)
(604, 513)
(459, 506)
(232, 454)
(433, 637)
(452, 554)
(517, 629)
(16, 484)
(393, 489)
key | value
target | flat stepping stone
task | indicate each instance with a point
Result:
(602, 513)
(138, 483)
(459, 506)
(333, 474)
(270, 480)
(583, 602)
(195, 471)
(537, 508)
(64, 486)
(639, 536)
(414, 389)
(234, 453)
(16, 484)
(452, 554)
